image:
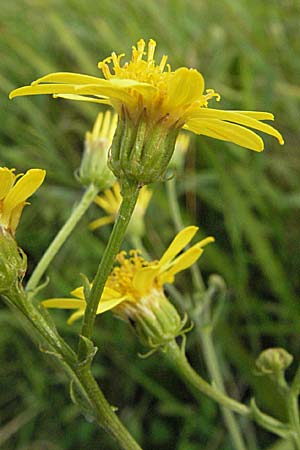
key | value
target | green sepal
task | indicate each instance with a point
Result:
(141, 150)
(86, 286)
(50, 352)
(13, 262)
(89, 351)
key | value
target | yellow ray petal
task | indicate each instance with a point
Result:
(205, 241)
(183, 261)
(178, 243)
(15, 217)
(69, 78)
(7, 178)
(43, 89)
(185, 86)
(64, 303)
(113, 92)
(111, 198)
(76, 315)
(108, 304)
(144, 278)
(226, 131)
(23, 189)
(82, 98)
(78, 292)
(241, 119)
(258, 115)
(109, 207)
(102, 221)
(109, 293)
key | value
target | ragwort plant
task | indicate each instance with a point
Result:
(153, 103)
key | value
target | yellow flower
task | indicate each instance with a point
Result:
(94, 168)
(14, 191)
(141, 84)
(110, 201)
(135, 284)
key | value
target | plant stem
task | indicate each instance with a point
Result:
(293, 407)
(62, 236)
(179, 361)
(52, 343)
(205, 336)
(130, 192)
(105, 415)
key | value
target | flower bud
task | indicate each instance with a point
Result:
(94, 168)
(13, 262)
(273, 361)
(154, 319)
(141, 151)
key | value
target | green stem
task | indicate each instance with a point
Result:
(293, 407)
(86, 200)
(205, 336)
(105, 415)
(130, 192)
(194, 381)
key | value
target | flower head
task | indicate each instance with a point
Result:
(110, 201)
(136, 285)
(94, 168)
(14, 191)
(143, 86)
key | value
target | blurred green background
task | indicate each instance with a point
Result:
(248, 50)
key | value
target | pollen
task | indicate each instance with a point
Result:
(143, 70)
(121, 278)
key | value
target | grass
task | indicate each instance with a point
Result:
(248, 51)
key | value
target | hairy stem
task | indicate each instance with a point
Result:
(194, 381)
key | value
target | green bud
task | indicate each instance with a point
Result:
(154, 319)
(273, 361)
(13, 262)
(142, 151)
(94, 168)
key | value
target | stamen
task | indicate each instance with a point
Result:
(151, 50)
(163, 63)
(103, 65)
(211, 93)
(141, 47)
(115, 60)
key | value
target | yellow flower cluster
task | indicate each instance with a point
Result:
(176, 98)
(134, 279)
